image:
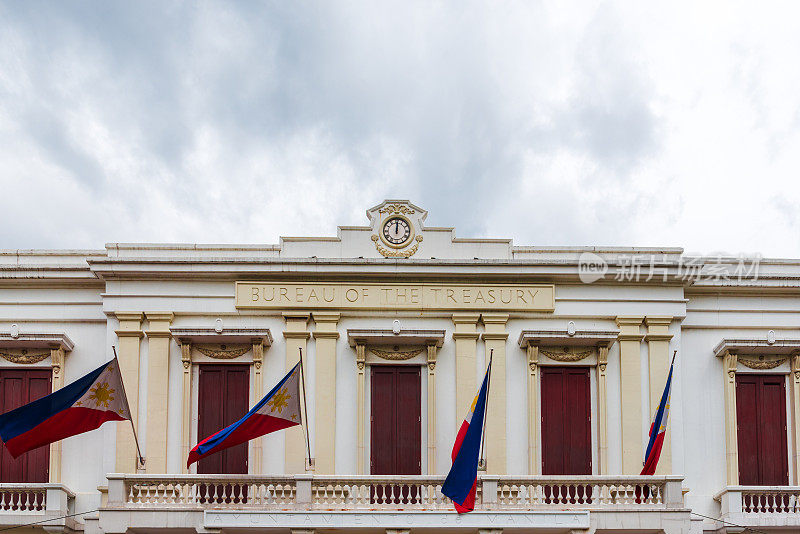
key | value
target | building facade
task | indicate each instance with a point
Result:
(396, 323)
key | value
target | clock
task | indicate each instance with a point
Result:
(396, 231)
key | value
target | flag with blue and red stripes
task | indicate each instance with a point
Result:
(279, 409)
(83, 405)
(462, 480)
(659, 428)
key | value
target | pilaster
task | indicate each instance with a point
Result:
(326, 335)
(795, 381)
(57, 382)
(129, 335)
(466, 338)
(296, 334)
(361, 364)
(602, 408)
(658, 338)
(257, 466)
(534, 417)
(158, 340)
(730, 362)
(630, 339)
(431, 360)
(186, 402)
(495, 337)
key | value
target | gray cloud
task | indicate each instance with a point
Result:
(244, 121)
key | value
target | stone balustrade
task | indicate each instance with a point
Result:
(25, 503)
(397, 492)
(753, 505)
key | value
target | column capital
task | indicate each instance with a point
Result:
(296, 316)
(629, 328)
(494, 336)
(657, 320)
(159, 324)
(326, 317)
(130, 324)
(629, 320)
(326, 323)
(324, 335)
(466, 318)
(494, 318)
(159, 316)
(466, 335)
(129, 316)
(658, 327)
(296, 335)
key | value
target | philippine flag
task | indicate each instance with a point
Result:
(279, 409)
(658, 429)
(462, 479)
(79, 407)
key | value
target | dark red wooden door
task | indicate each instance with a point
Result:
(19, 387)
(761, 422)
(396, 419)
(566, 421)
(223, 398)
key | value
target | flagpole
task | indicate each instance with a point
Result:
(128, 406)
(305, 413)
(482, 461)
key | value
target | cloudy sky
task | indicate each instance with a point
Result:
(550, 123)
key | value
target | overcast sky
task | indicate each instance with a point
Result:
(549, 123)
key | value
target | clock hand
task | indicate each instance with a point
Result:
(396, 226)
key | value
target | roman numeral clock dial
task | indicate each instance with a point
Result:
(396, 231)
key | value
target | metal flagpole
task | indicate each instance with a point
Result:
(128, 406)
(305, 413)
(482, 462)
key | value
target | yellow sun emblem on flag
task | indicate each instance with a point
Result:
(102, 394)
(280, 401)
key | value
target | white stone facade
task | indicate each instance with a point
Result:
(157, 302)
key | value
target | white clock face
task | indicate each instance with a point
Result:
(396, 231)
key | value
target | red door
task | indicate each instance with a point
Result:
(223, 398)
(566, 421)
(761, 423)
(19, 387)
(396, 418)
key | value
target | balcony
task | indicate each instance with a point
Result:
(350, 503)
(25, 503)
(761, 506)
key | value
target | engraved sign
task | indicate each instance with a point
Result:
(435, 297)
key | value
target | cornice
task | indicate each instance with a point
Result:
(630, 337)
(756, 346)
(37, 340)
